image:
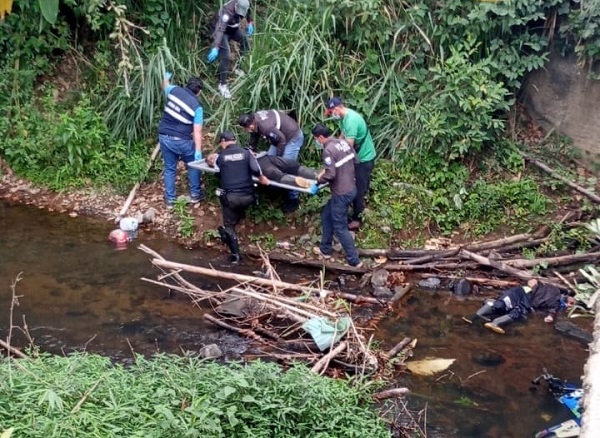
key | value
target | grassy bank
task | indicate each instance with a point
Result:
(86, 395)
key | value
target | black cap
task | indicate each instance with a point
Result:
(226, 136)
(246, 120)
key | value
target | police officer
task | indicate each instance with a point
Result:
(285, 138)
(180, 136)
(236, 165)
(338, 161)
(226, 26)
(355, 132)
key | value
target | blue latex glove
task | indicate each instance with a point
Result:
(314, 188)
(168, 75)
(198, 155)
(250, 29)
(212, 55)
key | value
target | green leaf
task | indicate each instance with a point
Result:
(49, 10)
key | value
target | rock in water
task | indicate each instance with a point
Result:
(462, 288)
(430, 283)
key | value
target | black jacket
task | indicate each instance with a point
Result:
(236, 166)
(275, 126)
(226, 20)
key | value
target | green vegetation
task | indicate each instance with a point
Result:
(80, 94)
(85, 395)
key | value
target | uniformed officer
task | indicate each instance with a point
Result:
(226, 26)
(180, 136)
(236, 165)
(284, 136)
(338, 160)
(355, 132)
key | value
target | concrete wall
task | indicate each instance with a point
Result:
(563, 97)
(590, 424)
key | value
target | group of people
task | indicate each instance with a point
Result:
(348, 161)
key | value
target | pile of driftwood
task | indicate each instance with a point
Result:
(273, 313)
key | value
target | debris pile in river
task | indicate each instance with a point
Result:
(292, 321)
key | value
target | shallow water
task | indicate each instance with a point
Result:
(77, 292)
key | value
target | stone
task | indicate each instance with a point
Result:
(380, 277)
(430, 283)
(210, 351)
(382, 292)
(462, 288)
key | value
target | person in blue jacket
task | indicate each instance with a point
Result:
(180, 136)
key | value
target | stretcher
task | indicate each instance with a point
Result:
(204, 167)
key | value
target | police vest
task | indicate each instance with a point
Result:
(178, 115)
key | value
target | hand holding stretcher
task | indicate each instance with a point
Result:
(276, 170)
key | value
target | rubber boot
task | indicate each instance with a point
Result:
(234, 247)
(307, 172)
(496, 324)
(224, 235)
(482, 313)
(291, 205)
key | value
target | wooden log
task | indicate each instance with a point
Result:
(391, 393)
(133, 191)
(12, 350)
(553, 261)
(521, 245)
(244, 332)
(524, 275)
(311, 263)
(358, 299)
(430, 266)
(492, 282)
(400, 294)
(398, 347)
(430, 257)
(322, 363)
(554, 174)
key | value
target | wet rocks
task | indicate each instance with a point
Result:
(430, 283)
(210, 351)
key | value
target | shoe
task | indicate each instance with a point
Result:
(317, 251)
(189, 200)
(354, 225)
(291, 205)
(302, 182)
(494, 328)
(234, 258)
(169, 205)
(239, 72)
(224, 90)
(358, 265)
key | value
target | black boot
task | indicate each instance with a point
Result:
(307, 172)
(482, 313)
(291, 205)
(224, 235)
(496, 324)
(234, 247)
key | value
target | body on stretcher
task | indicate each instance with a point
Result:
(204, 167)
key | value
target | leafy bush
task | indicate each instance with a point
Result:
(171, 396)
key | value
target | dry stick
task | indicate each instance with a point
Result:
(554, 174)
(391, 393)
(300, 316)
(521, 245)
(428, 258)
(325, 359)
(137, 185)
(553, 261)
(244, 332)
(176, 275)
(429, 266)
(84, 398)
(496, 264)
(400, 294)
(565, 281)
(12, 350)
(332, 266)
(398, 347)
(238, 277)
(184, 290)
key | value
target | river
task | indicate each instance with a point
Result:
(76, 292)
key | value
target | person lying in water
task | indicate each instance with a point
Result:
(282, 170)
(515, 303)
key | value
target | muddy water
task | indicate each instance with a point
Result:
(76, 292)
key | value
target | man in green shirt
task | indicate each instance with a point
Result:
(355, 132)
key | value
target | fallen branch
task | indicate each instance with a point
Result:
(524, 275)
(244, 332)
(554, 174)
(12, 350)
(321, 363)
(553, 261)
(398, 347)
(391, 393)
(293, 260)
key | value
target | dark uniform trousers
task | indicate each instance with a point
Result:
(233, 206)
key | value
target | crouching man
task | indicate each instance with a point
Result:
(237, 166)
